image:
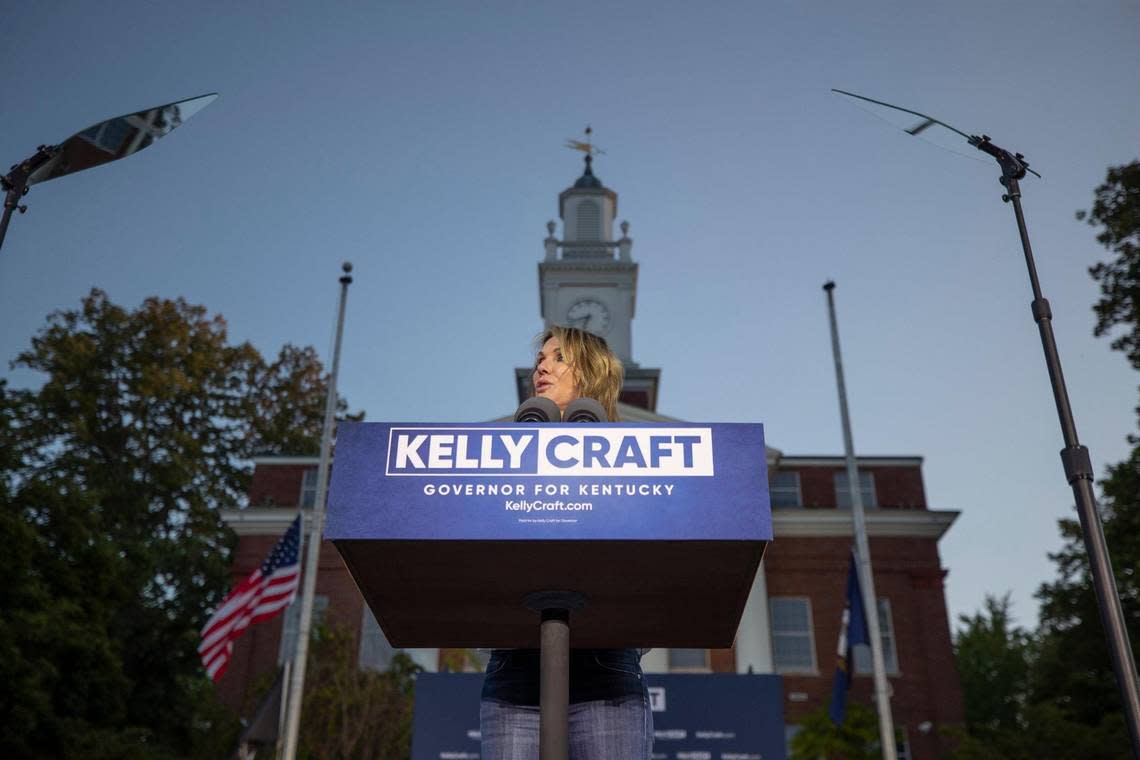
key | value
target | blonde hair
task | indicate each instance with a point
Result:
(597, 369)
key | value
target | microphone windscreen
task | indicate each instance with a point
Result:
(538, 409)
(584, 410)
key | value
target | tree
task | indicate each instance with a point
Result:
(993, 659)
(1006, 719)
(1047, 732)
(1116, 208)
(43, 637)
(1073, 673)
(348, 712)
(856, 739)
(113, 474)
(353, 713)
(289, 403)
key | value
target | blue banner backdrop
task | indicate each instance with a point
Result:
(513, 481)
(718, 716)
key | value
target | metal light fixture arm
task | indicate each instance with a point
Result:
(15, 184)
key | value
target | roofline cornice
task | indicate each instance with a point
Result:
(795, 522)
(838, 461)
(286, 460)
(259, 521)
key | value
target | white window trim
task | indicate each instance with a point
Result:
(290, 622)
(902, 744)
(288, 631)
(706, 668)
(874, 500)
(799, 490)
(305, 476)
(814, 670)
(892, 669)
(790, 732)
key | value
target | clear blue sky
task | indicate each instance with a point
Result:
(422, 141)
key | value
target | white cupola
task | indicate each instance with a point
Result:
(587, 211)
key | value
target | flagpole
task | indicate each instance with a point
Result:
(287, 667)
(316, 529)
(284, 709)
(863, 550)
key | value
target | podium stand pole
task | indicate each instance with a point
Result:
(554, 686)
(554, 608)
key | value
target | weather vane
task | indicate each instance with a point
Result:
(587, 147)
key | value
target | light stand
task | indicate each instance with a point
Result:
(1074, 457)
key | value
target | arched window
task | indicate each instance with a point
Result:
(589, 226)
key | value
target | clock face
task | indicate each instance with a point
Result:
(589, 315)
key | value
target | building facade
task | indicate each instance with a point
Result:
(791, 621)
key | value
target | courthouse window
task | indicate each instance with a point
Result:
(375, 651)
(887, 635)
(790, 731)
(793, 646)
(309, 488)
(785, 490)
(292, 622)
(689, 659)
(866, 488)
(902, 746)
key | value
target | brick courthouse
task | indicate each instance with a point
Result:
(791, 622)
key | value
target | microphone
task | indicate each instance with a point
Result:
(584, 410)
(538, 409)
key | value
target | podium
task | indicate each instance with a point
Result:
(630, 535)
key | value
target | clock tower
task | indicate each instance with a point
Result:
(588, 279)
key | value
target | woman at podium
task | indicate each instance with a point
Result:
(609, 716)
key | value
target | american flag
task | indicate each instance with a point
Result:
(268, 590)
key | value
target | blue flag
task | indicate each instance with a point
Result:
(852, 632)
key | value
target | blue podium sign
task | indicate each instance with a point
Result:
(551, 481)
(449, 529)
(717, 716)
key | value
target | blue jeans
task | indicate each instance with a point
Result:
(609, 716)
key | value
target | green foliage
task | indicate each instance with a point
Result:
(113, 472)
(289, 398)
(1053, 694)
(347, 712)
(351, 713)
(993, 664)
(1048, 732)
(1073, 673)
(820, 739)
(461, 661)
(1116, 209)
